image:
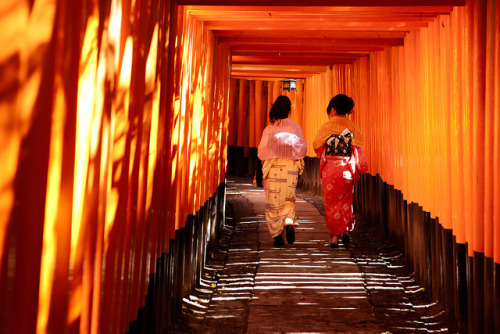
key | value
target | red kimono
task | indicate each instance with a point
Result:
(339, 176)
(339, 173)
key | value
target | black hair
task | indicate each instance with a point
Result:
(280, 109)
(342, 104)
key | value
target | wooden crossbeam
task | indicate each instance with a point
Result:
(254, 53)
(354, 3)
(325, 60)
(344, 42)
(310, 25)
(285, 39)
(305, 47)
(353, 16)
(276, 70)
(294, 33)
(317, 10)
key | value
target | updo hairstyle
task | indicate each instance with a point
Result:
(280, 109)
(342, 104)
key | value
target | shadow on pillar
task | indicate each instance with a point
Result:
(311, 180)
(442, 266)
(179, 270)
(240, 165)
(467, 287)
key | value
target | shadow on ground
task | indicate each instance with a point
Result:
(252, 287)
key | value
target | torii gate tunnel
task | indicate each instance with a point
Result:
(116, 118)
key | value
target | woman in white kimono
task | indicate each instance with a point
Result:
(281, 149)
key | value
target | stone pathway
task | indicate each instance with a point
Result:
(306, 287)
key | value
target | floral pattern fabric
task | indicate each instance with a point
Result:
(339, 144)
(338, 180)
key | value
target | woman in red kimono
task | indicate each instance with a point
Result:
(339, 145)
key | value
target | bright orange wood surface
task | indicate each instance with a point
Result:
(116, 116)
(434, 99)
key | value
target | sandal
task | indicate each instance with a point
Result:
(335, 242)
(346, 239)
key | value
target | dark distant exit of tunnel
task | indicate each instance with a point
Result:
(120, 120)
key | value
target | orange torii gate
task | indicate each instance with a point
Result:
(116, 118)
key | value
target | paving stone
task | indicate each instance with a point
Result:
(312, 319)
